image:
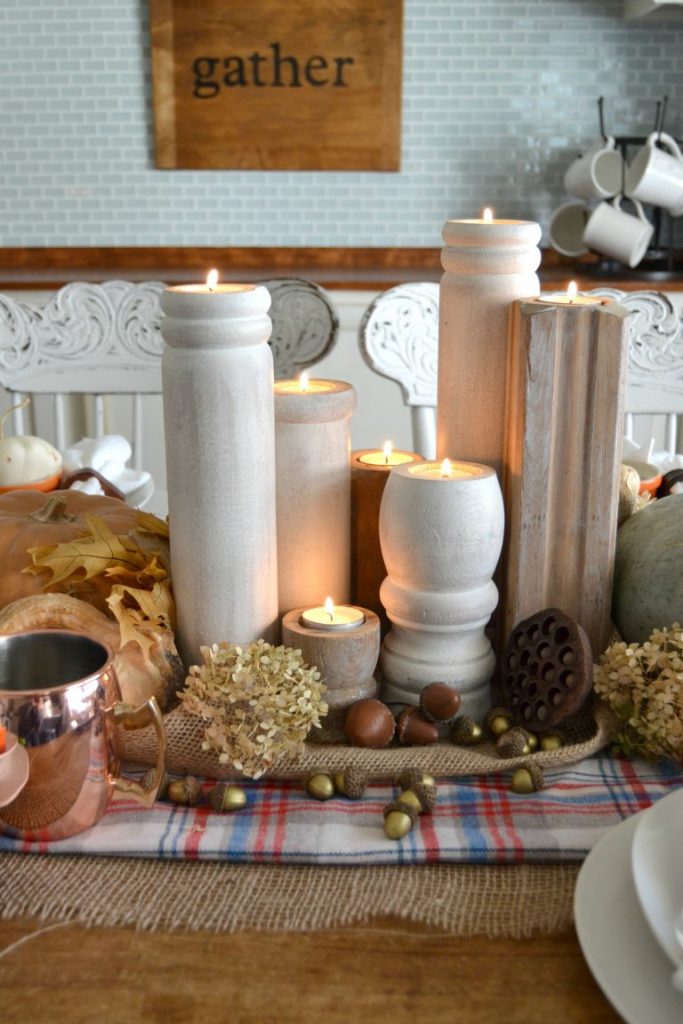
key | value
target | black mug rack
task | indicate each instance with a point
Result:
(662, 261)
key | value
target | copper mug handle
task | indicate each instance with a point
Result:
(121, 712)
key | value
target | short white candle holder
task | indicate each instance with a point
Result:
(441, 531)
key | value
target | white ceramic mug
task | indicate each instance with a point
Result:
(616, 233)
(656, 176)
(566, 227)
(597, 173)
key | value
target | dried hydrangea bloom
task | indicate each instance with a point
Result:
(644, 685)
(259, 702)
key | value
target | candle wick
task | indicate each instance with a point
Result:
(331, 615)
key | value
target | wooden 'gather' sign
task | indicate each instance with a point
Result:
(261, 84)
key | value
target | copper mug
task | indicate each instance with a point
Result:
(60, 696)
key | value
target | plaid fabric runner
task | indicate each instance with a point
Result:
(476, 820)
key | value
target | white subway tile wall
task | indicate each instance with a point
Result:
(497, 98)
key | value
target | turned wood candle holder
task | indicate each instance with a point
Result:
(217, 374)
(441, 538)
(564, 427)
(370, 471)
(486, 265)
(312, 446)
(346, 661)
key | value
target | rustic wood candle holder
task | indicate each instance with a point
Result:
(346, 662)
(564, 427)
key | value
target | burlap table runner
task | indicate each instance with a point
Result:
(587, 733)
(463, 899)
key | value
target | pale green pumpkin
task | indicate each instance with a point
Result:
(648, 577)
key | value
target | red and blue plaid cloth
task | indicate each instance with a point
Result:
(476, 820)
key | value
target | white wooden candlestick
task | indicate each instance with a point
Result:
(441, 533)
(217, 374)
(313, 446)
(346, 661)
(487, 265)
(566, 378)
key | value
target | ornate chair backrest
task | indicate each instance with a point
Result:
(399, 339)
(105, 339)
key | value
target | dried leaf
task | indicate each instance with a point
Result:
(87, 556)
(149, 608)
(150, 523)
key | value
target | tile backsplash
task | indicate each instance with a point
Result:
(497, 98)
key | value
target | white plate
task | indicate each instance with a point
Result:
(657, 862)
(617, 943)
(14, 775)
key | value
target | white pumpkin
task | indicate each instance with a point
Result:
(26, 460)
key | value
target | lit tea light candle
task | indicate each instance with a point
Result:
(387, 457)
(448, 470)
(211, 287)
(333, 618)
(303, 385)
(572, 298)
(487, 215)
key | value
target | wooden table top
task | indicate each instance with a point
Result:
(388, 973)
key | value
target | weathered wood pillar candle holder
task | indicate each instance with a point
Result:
(441, 529)
(312, 449)
(370, 469)
(217, 373)
(566, 381)
(487, 264)
(343, 643)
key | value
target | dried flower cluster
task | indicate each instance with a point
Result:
(259, 702)
(644, 685)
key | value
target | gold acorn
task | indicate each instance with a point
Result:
(351, 783)
(551, 741)
(496, 722)
(224, 797)
(184, 791)
(465, 732)
(398, 820)
(415, 777)
(147, 782)
(320, 786)
(422, 798)
(513, 743)
(527, 779)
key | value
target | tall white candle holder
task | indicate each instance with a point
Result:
(487, 264)
(441, 530)
(313, 446)
(217, 375)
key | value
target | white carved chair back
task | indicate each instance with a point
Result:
(105, 339)
(655, 362)
(399, 339)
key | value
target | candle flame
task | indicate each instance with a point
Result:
(572, 290)
(212, 280)
(387, 448)
(329, 608)
(446, 468)
(303, 380)
(487, 215)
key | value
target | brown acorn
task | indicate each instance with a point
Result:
(439, 702)
(414, 730)
(369, 723)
